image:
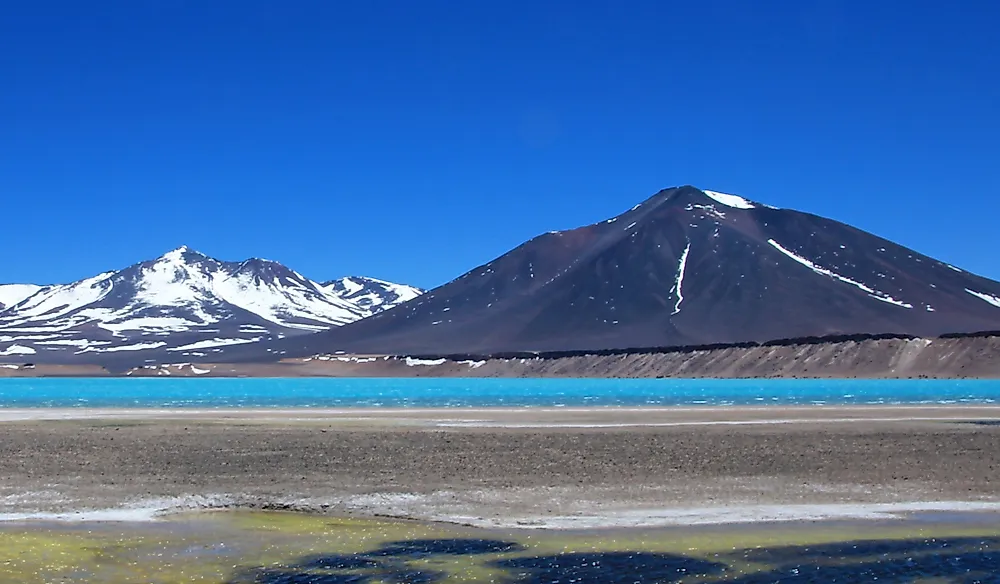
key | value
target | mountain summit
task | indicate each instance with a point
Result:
(182, 304)
(685, 267)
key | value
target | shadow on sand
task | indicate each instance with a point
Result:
(958, 560)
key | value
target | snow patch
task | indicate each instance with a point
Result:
(890, 300)
(994, 300)
(286, 305)
(159, 323)
(370, 294)
(882, 296)
(73, 343)
(135, 347)
(708, 209)
(11, 294)
(680, 279)
(348, 359)
(733, 201)
(214, 343)
(18, 350)
(7, 339)
(411, 362)
(56, 301)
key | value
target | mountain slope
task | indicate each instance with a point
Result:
(11, 294)
(686, 267)
(370, 293)
(182, 304)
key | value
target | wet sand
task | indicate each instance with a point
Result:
(269, 548)
(557, 467)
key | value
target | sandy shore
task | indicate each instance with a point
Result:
(560, 467)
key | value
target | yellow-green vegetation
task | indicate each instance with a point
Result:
(271, 548)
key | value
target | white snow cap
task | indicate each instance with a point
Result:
(734, 201)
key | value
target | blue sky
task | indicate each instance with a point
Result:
(415, 140)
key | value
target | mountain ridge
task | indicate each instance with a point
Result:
(183, 301)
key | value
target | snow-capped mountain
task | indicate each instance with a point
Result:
(686, 267)
(183, 304)
(371, 294)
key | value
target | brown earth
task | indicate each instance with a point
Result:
(48, 370)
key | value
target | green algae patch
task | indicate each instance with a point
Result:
(237, 547)
(38, 557)
(100, 553)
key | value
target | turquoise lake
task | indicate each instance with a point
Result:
(425, 392)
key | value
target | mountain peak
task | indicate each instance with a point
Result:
(255, 261)
(689, 193)
(178, 254)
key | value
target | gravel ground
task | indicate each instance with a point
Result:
(408, 464)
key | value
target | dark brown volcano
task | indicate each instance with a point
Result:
(686, 267)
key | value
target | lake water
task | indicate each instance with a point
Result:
(432, 392)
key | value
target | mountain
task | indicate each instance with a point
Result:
(686, 267)
(183, 304)
(371, 294)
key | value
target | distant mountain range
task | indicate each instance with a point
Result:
(685, 267)
(183, 304)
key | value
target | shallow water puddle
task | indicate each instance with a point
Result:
(285, 548)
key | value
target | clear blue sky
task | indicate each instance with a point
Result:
(415, 140)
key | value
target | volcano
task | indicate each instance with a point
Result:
(686, 267)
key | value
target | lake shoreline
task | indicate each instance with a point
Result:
(611, 416)
(627, 520)
(241, 546)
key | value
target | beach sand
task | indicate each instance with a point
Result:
(559, 467)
